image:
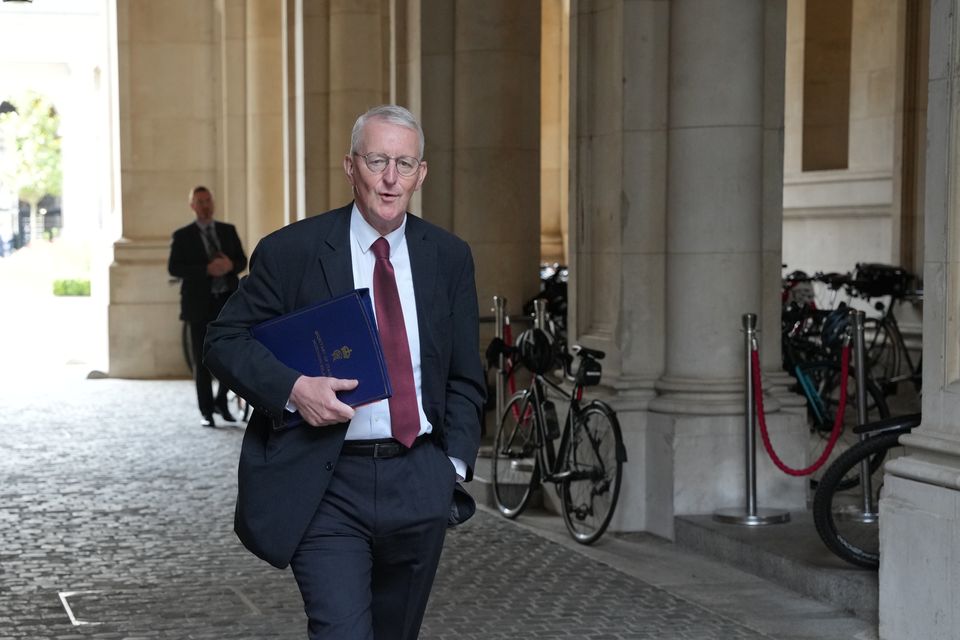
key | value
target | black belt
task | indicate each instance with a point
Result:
(385, 448)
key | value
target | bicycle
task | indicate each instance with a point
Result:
(848, 520)
(888, 356)
(813, 359)
(587, 465)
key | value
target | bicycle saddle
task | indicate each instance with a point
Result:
(596, 354)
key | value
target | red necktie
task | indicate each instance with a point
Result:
(404, 415)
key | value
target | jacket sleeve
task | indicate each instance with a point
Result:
(185, 263)
(236, 253)
(466, 388)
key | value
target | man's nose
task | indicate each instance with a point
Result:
(390, 174)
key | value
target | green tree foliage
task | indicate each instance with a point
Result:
(31, 159)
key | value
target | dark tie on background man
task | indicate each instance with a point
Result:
(404, 416)
(213, 243)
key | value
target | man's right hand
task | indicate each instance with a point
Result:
(316, 400)
(221, 265)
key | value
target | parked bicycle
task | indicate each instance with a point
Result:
(813, 341)
(586, 466)
(888, 355)
(847, 517)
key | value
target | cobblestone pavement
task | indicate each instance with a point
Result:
(115, 523)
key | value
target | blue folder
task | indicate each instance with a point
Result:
(336, 338)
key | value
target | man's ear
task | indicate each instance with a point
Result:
(423, 175)
(348, 169)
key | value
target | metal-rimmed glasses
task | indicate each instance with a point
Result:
(377, 163)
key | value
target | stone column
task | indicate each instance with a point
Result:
(496, 144)
(776, 380)
(168, 111)
(714, 263)
(920, 505)
(619, 83)
(265, 102)
(231, 198)
(554, 127)
(436, 99)
(359, 57)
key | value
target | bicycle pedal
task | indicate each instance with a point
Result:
(562, 475)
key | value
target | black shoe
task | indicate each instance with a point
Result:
(224, 413)
(208, 421)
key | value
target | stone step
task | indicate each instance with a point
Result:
(790, 554)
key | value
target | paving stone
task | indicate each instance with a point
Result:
(114, 500)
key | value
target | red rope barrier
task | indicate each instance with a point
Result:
(837, 421)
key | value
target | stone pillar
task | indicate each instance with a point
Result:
(436, 99)
(168, 112)
(776, 380)
(231, 197)
(496, 144)
(714, 263)
(359, 57)
(554, 128)
(265, 102)
(619, 83)
(920, 505)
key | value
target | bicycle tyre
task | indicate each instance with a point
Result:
(883, 348)
(595, 455)
(826, 378)
(856, 542)
(515, 467)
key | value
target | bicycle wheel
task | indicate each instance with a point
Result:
(883, 350)
(515, 468)
(592, 472)
(823, 400)
(838, 513)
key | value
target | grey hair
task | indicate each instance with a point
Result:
(391, 113)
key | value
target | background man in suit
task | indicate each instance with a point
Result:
(357, 501)
(207, 256)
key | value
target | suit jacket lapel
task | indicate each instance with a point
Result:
(423, 266)
(335, 254)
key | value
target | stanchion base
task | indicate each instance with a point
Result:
(857, 516)
(739, 515)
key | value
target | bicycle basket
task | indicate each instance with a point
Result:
(875, 280)
(588, 373)
(538, 352)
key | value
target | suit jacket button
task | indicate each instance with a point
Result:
(329, 466)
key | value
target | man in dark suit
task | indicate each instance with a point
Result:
(357, 500)
(207, 257)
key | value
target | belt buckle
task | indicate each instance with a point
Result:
(386, 449)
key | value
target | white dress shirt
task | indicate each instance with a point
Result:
(372, 421)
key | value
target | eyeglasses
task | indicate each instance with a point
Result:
(377, 162)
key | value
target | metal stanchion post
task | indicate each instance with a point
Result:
(499, 312)
(540, 314)
(750, 515)
(869, 511)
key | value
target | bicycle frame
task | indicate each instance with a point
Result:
(551, 460)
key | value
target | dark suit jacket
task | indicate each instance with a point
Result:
(283, 474)
(188, 261)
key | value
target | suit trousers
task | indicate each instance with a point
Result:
(366, 563)
(201, 375)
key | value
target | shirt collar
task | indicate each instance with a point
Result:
(204, 227)
(367, 235)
